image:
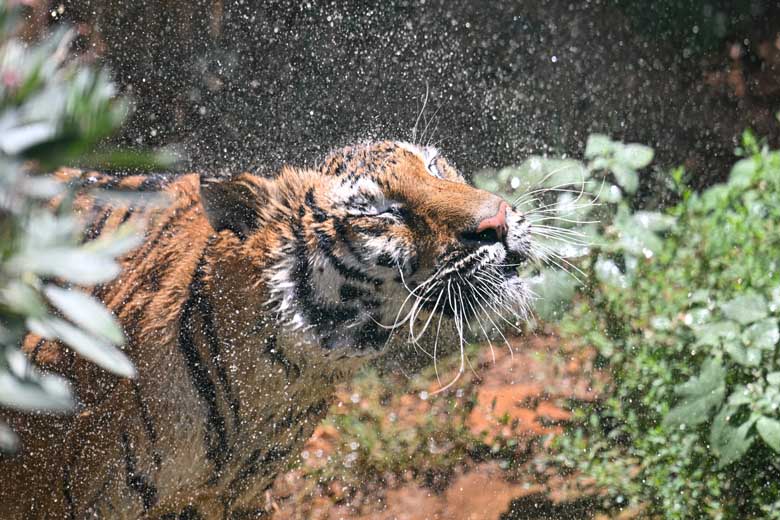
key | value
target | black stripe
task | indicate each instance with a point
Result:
(326, 245)
(385, 260)
(217, 448)
(348, 293)
(94, 229)
(36, 350)
(146, 418)
(141, 253)
(100, 181)
(414, 264)
(317, 212)
(212, 339)
(171, 222)
(251, 514)
(188, 513)
(136, 481)
(341, 231)
(371, 334)
(321, 315)
(375, 229)
(67, 492)
(147, 248)
(276, 354)
(262, 459)
(127, 215)
(153, 182)
(255, 461)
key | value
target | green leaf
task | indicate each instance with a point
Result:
(774, 299)
(127, 160)
(700, 296)
(729, 441)
(24, 388)
(763, 334)
(698, 317)
(701, 394)
(742, 172)
(86, 312)
(636, 239)
(715, 197)
(22, 299)
(8, 439)
(51, 394)
(609, 273)
(41, 187)
(773, 378)
(123, 240)
(741, 395)
(626, 177)
(564, 172)
(539, 171)
(598, 145)
(769, 429)
(661, 323)
(746, 308)
(74, 265)
(653, 220)
(15, 140)
(92, 348)
(554, 289)
(745, 356)
(633, 155)
(609, 193)
(713, 334)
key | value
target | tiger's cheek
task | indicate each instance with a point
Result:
(394, 249)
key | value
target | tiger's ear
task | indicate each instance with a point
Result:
(234, 203)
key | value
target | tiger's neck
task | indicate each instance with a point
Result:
(314, 285)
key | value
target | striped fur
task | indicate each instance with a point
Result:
(248, 301)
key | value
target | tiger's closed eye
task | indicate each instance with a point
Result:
(393, 210)
(434, 170)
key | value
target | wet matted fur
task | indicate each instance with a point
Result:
(248, 301)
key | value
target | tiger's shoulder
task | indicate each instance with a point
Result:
(167, 210)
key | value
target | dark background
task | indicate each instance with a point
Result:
(252, 85)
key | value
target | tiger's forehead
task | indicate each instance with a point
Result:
(373, 159)
(426, 153)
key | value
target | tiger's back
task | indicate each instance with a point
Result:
(99, 461)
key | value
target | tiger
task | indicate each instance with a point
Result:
(248, 300)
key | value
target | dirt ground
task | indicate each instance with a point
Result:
(521, 396)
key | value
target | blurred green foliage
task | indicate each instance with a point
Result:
(683, 308)
(690, 336)
(53, 111)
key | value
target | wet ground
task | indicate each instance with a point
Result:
(516, 405)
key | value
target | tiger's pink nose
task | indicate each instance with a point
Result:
(497, 222)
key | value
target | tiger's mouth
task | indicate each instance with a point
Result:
(471, 283)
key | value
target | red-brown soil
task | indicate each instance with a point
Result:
(521, 397)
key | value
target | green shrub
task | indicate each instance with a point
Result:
(683, 308)
(691, 341)
(52, 112)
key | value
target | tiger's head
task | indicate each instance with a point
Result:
(382, 237)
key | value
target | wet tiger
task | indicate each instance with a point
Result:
(248, 301)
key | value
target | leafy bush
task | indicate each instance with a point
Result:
(52, 112)
(683, 308)
(692, 344)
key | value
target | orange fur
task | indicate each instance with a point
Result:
(233, 374)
